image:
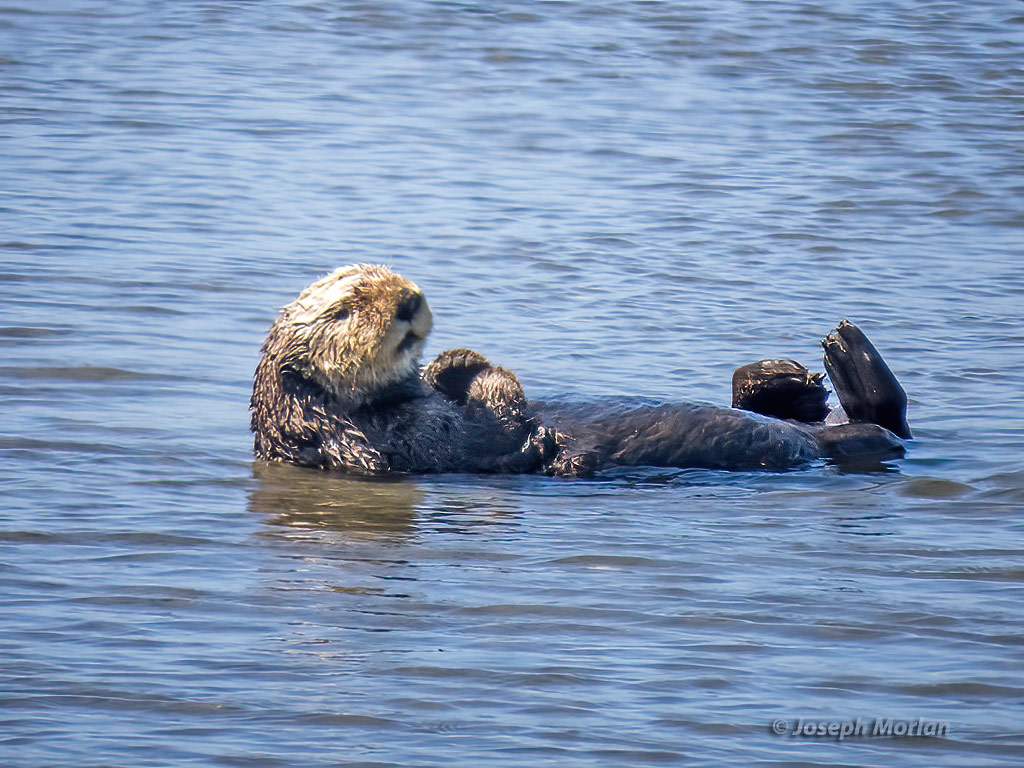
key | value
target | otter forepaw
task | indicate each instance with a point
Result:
(543, 443)
(571, 461)
(452, 372)
(531, 456)
(499, 391)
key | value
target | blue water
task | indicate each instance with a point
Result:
(609, 198)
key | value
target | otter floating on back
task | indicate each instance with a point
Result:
(339, 387)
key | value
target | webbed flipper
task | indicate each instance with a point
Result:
(783, 389)
(866, 387)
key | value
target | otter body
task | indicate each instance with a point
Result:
(707, 436)
(338, 387)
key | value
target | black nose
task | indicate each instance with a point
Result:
(409, 305)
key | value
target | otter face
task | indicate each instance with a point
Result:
(354, 332)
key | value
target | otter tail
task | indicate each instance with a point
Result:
(867, 389)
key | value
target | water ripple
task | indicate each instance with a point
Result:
(616, 200)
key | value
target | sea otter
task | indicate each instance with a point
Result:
(339, 387)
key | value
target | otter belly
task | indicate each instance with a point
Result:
(430, 434)
(424, 434)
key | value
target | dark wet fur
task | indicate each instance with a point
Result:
(407, 428)
(684, 435)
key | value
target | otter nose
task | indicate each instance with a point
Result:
(408, 306)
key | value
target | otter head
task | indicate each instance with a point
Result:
(355, 332)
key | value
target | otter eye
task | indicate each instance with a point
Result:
(340, 313)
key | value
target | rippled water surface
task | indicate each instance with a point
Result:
(610, 198)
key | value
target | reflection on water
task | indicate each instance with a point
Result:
(303, 498)
(611, 199)
(381, 508)
(864, 465)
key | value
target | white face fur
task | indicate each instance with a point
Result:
(356, 331)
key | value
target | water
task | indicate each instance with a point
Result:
(610, 198)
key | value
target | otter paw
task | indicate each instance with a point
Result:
(543, 443)
(569, 460)
(452, 372)
(497, 390)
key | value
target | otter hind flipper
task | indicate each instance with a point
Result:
(780, 388)
(866, 387)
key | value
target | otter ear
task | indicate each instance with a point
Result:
(453, 371)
